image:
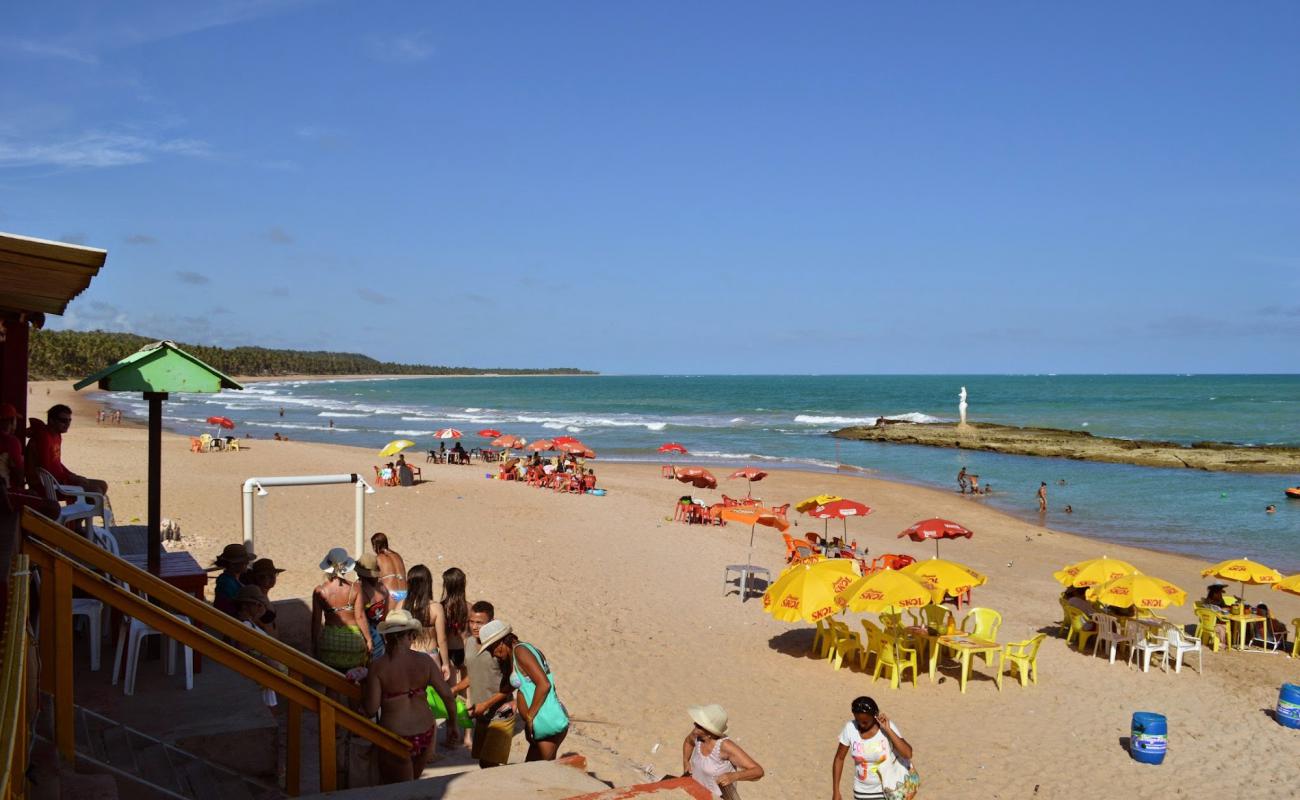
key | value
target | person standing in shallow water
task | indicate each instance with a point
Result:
(1042, 497)
(961, 481)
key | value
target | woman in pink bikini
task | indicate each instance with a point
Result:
(396, 689)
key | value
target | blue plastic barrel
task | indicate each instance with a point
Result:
(1288, 706)
(1150, 737)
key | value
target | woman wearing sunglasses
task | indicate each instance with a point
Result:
(876, 746)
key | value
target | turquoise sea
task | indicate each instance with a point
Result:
(782, 421)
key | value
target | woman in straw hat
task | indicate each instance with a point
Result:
(711, 759)
(546, 721)
(232, 562)
(336, 636)
(396, 688)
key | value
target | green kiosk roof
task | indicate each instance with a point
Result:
(160, 367)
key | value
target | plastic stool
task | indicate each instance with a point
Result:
(130, 636)
(93, 611)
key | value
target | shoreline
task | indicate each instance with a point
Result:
(1081, 446)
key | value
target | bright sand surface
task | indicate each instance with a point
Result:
(629, 609)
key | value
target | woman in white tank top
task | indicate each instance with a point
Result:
(713, 760)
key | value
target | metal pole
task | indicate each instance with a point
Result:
(155, 480)
(248, 516)
(361, 519)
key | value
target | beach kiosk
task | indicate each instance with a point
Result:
(156, 370)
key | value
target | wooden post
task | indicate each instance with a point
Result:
(329, 771)
(155, 480)
(46, 643)
(61, 625)
(293, 745)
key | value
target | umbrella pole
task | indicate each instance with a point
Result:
(936, 548)
(154, 550)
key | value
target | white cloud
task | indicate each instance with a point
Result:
(97, 149)
(30, 47)
(403, 48)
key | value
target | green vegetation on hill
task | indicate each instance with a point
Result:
(75, 354)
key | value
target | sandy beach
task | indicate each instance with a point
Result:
(629, 608)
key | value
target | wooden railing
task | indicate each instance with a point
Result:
(68, 562)
(13, 683)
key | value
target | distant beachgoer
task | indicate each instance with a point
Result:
(1042, 497)
(370, 601)
(546, 722)
(710, 758)
(331, 424)
(282, 411)
(1069, 509)
(393, 568)
(490, 704)
(233, 561)
(336, 637)
(277, 437)
(961, 481)
(876, 745)
(397, 684)
(974, 483)
(988, 488)
(1076, 596)
(405, 475)
(1270, 508)
(442, 452)
(456, 608)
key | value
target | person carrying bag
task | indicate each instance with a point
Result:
(882, 758)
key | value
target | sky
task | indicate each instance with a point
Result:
(673, 187)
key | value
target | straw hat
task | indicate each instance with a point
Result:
(264, 566)
(337, 561)
(368, 566)
(234, 554)
(712, 718)
(491, 633)
(398, 621)
(251, 593)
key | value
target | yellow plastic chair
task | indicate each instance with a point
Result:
(873, 633)
(936, 618)
(822, 637)
(984, 624)
(833, 630)
(1295, 639)
(892, 656)
(1146, 613)
(233, 445)
(1206, 623)
(205, 441)
(891, 621)
(847, 644)
(1065, 623)
(1078, 624)
(1021, 658)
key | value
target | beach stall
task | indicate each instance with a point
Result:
(157, 370)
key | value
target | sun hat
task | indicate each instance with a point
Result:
(491, 633)
(398, 621)
(251, 593)
(337, 561)
(264, 566)
(712, 718)
(368, 565)
(234, 554)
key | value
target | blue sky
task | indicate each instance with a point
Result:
(674, 187)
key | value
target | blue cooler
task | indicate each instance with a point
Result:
(1150, 737)
(1288, 706)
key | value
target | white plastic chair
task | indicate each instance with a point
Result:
(1269, 641)
(1148, 640)
(130, 635)
(1110, 631)
(93, 611)
(1180, 643)
(87, 505)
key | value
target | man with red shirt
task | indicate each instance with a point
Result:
(45, 451)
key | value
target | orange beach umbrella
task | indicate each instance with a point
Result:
(673, 447)
(538, 445)
(447, 433)
(489, 433)
(753, 516)
(698, 477)
(839, 509)
(508, 441)
(936, 529)
(750, 474)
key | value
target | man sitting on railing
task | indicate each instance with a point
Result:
(45, 451)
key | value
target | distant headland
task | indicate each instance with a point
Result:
(1081, 445)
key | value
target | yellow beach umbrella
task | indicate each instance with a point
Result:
(1093, 572)
(887, 588)
(394, 447)
(1289, 585)
(806, 592)
(1243, 571)
(1139, 591)
(804, 506)
(953, 578)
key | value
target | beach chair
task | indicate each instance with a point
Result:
(1262, 633)
(984, 624)
(1112, 633)
(781, 511)
(847, 644)
(84, 506)
(1145, 640)
(1021, 658)
(1179, 645)
(232, 445)
(196, 444)
(936, 618)
(206, 441)
(894, 657)
(667, 471)
(821, 639)
(891, 620)
(1295, 638)
(1078, 629)
(1207, 624)
(870, 629)
(1064, 624)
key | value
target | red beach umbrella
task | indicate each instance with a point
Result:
(750, 474)
(673, 447)
(698, 477)
(489, 433)
(508, 441)
(541, 444)
(840, 509)
(559, 441)
(447, 433)
(224, 422)
(936, 529)
(576, 448)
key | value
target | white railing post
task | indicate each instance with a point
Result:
(259, 485)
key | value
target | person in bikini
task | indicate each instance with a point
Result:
(393, 568)
(396, 687)
(369, 600)
(336, 637)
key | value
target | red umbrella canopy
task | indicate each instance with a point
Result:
(936, 529)
(541, 444)
(749, 474)
(576, 448)
(841, 509)
(698, 477)
(751, 515)
(559, 441)
(673, 447)
(224, 422)
(489, 433)
(508, 441)
(447, 433)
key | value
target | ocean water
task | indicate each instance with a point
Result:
(783, 421)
